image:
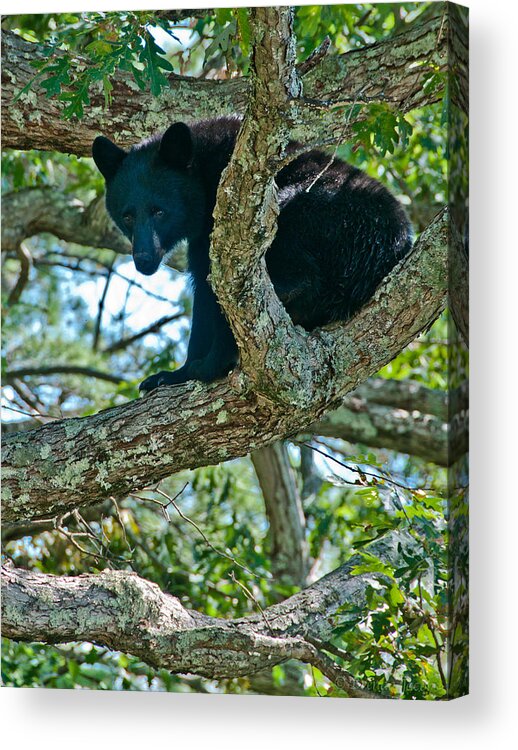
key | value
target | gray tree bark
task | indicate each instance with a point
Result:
(377, 73)
(127, 613)
(404, 417)
(380, 413)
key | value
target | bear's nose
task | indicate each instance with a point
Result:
(145, 264)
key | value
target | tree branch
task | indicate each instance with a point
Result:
(127, 613)
(89, 372)
(411, 395)
(153, 328)
(404, 417)
(381, 413)
(25, 267)
(13, 531)
(248, 193)
(289, 550)
(377, 73)
(47, 209)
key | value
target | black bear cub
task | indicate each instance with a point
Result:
(339, 231)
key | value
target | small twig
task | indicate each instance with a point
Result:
(252, 598)
(172, 501)
(362, 20)
(81, 521)
(119, 519)
(64, 369)
(27, 398)
(100, 310)
(202, 533)
(153, 328)
(137, 285)
(330, 647)
(36, 417)
(323, 170)
(400, 506)
(72, 540)
(333, 157)
(25, 394)
(77, 267)
(383, 477)
(315, 57)
(71, 536)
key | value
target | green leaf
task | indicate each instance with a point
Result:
(380, 624)
(59, 77)
(395, 595)
(99, 48)
(223, 39)
(223, 15)
(424, 635)
(245, 33)
(76, 100)
(154, 63)
(107, 89)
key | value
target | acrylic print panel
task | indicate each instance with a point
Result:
(283, 511)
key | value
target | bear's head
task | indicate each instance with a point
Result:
(153, 193)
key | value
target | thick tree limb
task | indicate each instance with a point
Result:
(410, 395)
(248, 193)
(47, 209)
(127, 613)
(77, 462)
(392, 71)
(404, 417)
(380, 427)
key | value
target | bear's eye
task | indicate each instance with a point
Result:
(157, 212)
(128, 219)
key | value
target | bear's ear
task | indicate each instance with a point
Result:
(176, 146)
(107, 156)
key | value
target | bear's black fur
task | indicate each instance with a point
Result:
(339, 231)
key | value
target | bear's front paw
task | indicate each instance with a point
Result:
(163, 378)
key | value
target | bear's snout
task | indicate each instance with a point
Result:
(146, 264)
